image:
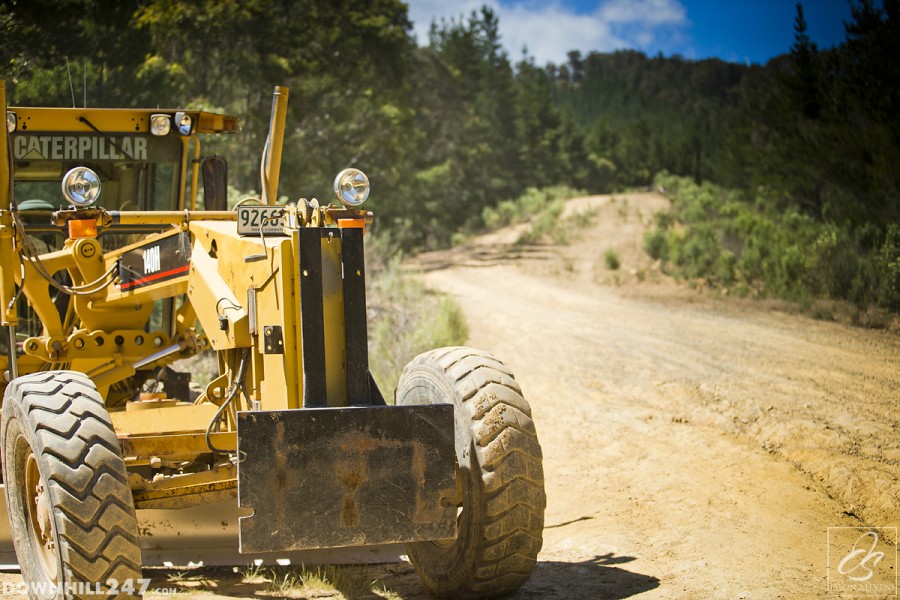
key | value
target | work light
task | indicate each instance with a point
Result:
(81, 187)
(160, 124)
(351, 186)
(184, 123)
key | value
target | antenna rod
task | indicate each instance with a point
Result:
(71, 87)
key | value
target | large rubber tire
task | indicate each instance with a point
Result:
(502, 480)
(71, 510)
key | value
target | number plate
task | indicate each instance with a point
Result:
(251, 218)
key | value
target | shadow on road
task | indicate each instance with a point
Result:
(599, 578)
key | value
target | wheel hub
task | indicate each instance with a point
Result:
(43, 515)
(40, 517)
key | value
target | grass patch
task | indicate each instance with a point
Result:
(312, 581)
(405, 319)
(351, 581)
(543, 223)
(541, 206)
(582, 219)
(622, 210)
(562, 231)
(611, 259)
(567, 229)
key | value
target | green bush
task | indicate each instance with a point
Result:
(744, 243)
(508, 212)
(611, 259)
(656, 244)
(543, 223)
(888, 268)
(490, 217)
(533, 200)
(540, 205)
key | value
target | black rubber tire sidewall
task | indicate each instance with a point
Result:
(500, 528)
(447, 566)
(62, 418)
(16, 438)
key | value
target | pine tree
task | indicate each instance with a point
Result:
(805, 81)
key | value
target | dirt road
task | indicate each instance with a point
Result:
(694, 447)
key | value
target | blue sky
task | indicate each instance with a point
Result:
(745, 31)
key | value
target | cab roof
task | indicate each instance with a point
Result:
(113, 120)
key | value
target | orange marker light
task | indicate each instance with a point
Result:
(352, 224)
(82, 228)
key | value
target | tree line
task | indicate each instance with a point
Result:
(456, 125)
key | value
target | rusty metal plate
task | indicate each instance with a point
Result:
(332, 477)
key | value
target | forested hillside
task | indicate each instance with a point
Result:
(449, 128)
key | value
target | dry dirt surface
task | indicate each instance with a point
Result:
(695, 446)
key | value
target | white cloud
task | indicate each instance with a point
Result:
(423, 12)
(645, 12)
(550, 30)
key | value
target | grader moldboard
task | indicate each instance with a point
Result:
(110, 457)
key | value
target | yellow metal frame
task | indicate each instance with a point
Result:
(7, 232)
(237, 288)
(113, 120)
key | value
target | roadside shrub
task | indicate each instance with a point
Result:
(746, 244)
(490, 217)
(656, 244)
(405, 319)
(543, 223)
(534, 200)
(611, 259)
(888, 267)
(725, 264)
(508, 212)
(543, 206)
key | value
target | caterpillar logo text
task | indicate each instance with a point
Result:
(67, 147)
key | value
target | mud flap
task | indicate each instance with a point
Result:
(331, 477)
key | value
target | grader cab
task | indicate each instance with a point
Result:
(114, 267)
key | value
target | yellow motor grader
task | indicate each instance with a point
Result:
(119, 258)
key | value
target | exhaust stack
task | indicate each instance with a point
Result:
(271, 167)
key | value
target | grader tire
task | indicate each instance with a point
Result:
(71, 509)
(502, 480)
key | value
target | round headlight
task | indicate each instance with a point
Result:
(81, 187)
(184, 123)
(351, 186)
(11, 122)
(160, 124)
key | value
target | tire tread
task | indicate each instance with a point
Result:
(509, 457)
(87, 480)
